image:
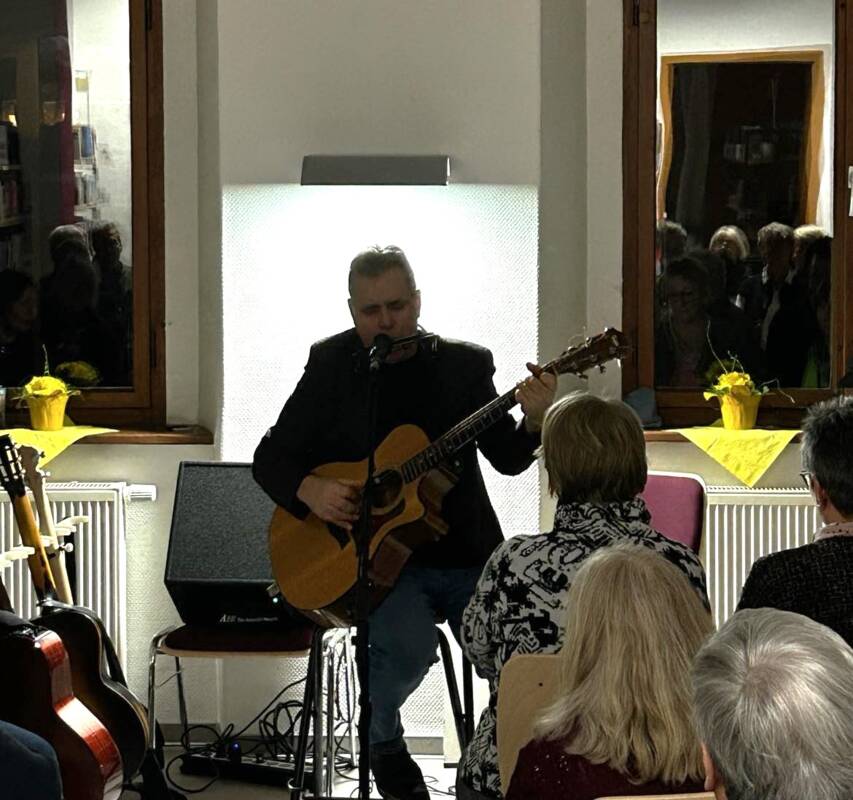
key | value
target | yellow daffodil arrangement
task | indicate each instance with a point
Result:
(738, 395)
(46, 397)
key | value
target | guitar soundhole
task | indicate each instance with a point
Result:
(387, 486)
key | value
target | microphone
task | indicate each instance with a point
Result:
(381, 349)
(384, 345)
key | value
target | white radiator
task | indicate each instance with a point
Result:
(99, 551)
(741, 525)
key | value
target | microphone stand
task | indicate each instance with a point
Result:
(382, 347)
(362, 589)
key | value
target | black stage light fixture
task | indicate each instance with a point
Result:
(319, 170)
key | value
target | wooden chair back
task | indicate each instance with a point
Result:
(528, 683)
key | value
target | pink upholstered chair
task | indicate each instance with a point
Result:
(676, 501)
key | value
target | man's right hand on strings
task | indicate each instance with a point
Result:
(335, 500)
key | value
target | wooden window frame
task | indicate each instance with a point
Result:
(143, 406)
(640, 196)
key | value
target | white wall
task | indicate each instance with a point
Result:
(379, 76)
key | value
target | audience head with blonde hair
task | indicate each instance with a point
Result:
(635, 623)
(594, 450)
(773, 695)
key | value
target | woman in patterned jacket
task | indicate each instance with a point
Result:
(595, 458)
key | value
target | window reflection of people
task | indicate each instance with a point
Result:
(785, 321)
(731, 245)
(817, 261)
(691, 328)
(114, 304)
(670, 243)
(20, 349)
(622, 723)
(71, 327)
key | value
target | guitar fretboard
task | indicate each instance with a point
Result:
(457, 437)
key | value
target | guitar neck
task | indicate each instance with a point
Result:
(47, 527)
(457, 437)
(593, 352)
(39, 565)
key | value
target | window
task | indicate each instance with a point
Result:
(81, 217)
(735, 198)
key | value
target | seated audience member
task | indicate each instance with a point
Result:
(805, 236)
(670, 243)
(115, 300)
(623, 723)
(784, 320)
(595, 457)
(817, 263)
(692, 330)
(28, 766)
(815, 579)
(71, 327)
(773, 704)
(20, 349)
(731, 245)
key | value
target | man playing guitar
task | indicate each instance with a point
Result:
(432, 386)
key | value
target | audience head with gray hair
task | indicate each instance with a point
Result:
(773, 700)
(827, 457)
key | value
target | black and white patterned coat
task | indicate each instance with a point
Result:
(519, 605)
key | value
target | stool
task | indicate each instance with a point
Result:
(463, 715)
(229, 639)
(463, 711)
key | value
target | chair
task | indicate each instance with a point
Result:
(527, 684)
(676, 502)
(270, 639)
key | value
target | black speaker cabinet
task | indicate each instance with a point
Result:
(218, 561)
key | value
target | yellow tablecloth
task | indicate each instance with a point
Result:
(745, 454)
(52, 443)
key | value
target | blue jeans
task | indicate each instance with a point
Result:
(403, 641)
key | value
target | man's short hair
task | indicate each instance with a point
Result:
(773, 236)
(671, 240)
(773, 700)
(594, 450)
(827, 449)
(376, 261)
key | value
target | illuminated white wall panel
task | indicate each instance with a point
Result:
(286, 254)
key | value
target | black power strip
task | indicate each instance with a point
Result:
(249, 769)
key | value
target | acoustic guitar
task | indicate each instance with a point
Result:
(315, 563)
(37, 694)
(96, 672)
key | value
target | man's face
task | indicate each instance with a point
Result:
(384, 304)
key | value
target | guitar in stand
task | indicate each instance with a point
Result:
(97, 675)
(315, 563)
(37, 694)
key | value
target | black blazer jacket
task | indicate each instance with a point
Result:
(324, 420)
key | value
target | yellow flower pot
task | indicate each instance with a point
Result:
(47, 413)
(739, 412)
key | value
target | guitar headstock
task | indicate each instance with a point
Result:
(596, 351)
(30, 457)
(11, 473)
